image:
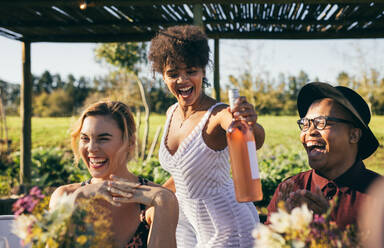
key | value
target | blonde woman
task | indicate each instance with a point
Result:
(104, 138)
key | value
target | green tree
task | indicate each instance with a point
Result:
(344, 79)
(127, 57)
(57, 103)
(44, 83)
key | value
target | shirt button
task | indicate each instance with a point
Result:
(331, 185)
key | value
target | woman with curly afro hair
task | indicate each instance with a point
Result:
(194, 146)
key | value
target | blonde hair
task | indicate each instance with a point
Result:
(116, 110)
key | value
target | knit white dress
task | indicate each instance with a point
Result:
(209, 215)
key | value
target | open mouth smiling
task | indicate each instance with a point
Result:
(185, 91)
(314, 147)
(97, 162)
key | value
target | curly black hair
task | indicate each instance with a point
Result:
(185, 44)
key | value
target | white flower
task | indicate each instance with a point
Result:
(22, 224)
(57, 217)
(298, 244)
(65, 201)
(301, 217)
(265, 237)
(280, 221)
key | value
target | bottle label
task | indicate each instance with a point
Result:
(251, 145)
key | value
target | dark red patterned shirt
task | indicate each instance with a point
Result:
(350, 188)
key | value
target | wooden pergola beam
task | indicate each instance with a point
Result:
(369, 33)
(122, 3)
(155, 24)
(376, 33)
(91, 38)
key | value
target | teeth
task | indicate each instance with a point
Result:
(310, 144)
(186, 88)
(97, 160)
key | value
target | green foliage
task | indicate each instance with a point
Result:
(51, 167)
(151, 170)
(160, 100)
(122, 55)
(278, 164)
(5, 186)
(267, 96)
(370, 86)
(57, 103)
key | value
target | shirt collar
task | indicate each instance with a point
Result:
(348, 179)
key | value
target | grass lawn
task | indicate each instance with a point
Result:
(280, 130)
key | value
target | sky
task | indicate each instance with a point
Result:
(322, 59)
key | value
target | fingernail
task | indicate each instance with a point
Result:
(129, 195)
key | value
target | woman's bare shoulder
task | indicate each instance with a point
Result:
(60, 191)
(169, 110)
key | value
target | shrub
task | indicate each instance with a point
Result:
(151, 170)
(276, 165)
(51, 167)
(54, 167)
(56, 103)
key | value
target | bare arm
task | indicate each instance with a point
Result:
(259, 133)
(163, 202)
(170, 184)
(163, 228)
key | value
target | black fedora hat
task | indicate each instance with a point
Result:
(350, 100)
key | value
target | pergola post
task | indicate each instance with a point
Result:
(26, 114)
(216, 72)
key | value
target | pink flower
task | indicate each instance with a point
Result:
(35, 191)
(27, 203)
(318, 219)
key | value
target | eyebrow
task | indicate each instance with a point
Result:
(171, 70)
(181, 68)
(100, 135)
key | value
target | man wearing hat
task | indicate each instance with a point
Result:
(335, 134)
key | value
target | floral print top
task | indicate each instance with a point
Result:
(140, 238)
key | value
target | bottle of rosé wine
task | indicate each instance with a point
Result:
(243, 158)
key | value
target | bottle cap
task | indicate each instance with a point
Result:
(233, 94)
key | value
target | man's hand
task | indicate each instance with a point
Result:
(285, 190)
(315, 201)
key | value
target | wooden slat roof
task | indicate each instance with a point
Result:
(129, 20)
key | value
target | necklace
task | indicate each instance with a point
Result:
(193, 112)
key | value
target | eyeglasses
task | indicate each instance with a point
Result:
(319, 122)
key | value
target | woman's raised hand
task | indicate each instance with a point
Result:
(124, 191)
(98, 190)
(244, 110)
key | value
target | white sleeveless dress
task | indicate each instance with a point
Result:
(209, 215)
